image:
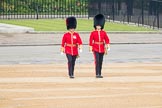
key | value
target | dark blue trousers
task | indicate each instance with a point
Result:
(98, 62)
(71, 63)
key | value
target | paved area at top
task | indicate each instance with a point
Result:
(45, 48)
(17, 35)
(8, 28)
(55, 38)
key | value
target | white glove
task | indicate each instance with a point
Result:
(108, 49)
(61, 53)
(80, 50)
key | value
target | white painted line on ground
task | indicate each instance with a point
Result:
(88, 97)
(67, 89)
(154, 86)
(82, 79)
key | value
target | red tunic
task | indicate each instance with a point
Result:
(97, 40)
(70, 42)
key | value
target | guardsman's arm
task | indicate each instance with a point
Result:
(107, 41)
(62, 49)
(91, 42)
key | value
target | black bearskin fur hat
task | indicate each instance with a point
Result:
(71, 22)
(99, 19)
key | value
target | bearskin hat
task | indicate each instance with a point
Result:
(99, 19)
(71, 22)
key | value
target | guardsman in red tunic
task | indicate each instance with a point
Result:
(99, 43)
(71, 42)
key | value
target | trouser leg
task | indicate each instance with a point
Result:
(98, 62)
(71, 64)
(69, 58)
(96, 58)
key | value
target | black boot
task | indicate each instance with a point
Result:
(71, 77)
(99, 76)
